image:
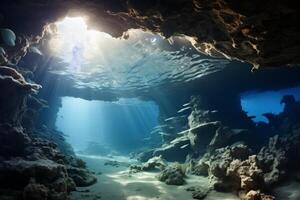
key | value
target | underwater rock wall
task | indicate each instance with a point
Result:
(35, 161)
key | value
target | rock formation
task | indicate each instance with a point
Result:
(211, 132)
(32, 159)
(173, 175)
(264, 35)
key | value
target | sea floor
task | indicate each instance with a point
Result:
(115, 183)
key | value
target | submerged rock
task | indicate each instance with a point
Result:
(152, 164)
(50, 179)
(199, 192)
(255, 195)
(281, 155)
(201, 135)
(173, 175)
(176, 150)
(35, 191)
(81, 177)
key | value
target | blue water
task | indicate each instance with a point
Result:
(256, 103)
(120, 125)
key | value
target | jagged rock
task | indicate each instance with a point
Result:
(231, 168)
(43, 171)
(199, 192)
(173, 175)
(218, 27)
(35, 191)
(176, 150)
(153, 163)
(225, 136)
(254, 195)
(15, 91)
(44, 136)
(198, 168)
(81, 177)
(48, 176)
(280, 156)
(202, 134)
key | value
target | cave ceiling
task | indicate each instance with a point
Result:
(263, 33)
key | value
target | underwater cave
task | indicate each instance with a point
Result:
(143, 100)
(99, 127)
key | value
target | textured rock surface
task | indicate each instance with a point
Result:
(31, 159)
(173, 175)
(176, 150)
(199, 192)
(152, 164)
(263, 34)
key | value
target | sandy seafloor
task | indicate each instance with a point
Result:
(115, 183)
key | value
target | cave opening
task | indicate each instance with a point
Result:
(104, 127)
(257, 103)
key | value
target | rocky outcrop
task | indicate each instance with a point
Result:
(81, 177)
(51, 178)
(235, 167)
(199, 192)
(152, 164)
(280, 157)
(177, 150)
(32, 161)
(201, 135)
(15, 90)
(173, 175)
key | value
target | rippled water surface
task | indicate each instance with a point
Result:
(143, 60)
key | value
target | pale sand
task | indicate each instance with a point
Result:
(116, 184)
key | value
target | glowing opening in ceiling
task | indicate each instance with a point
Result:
(73, 42)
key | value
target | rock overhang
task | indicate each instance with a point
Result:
(263, 35)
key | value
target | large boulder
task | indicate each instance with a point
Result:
(81, 176)
(173, 175)
(152, 164)
(40, 179)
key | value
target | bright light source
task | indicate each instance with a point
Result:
(74, 42)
